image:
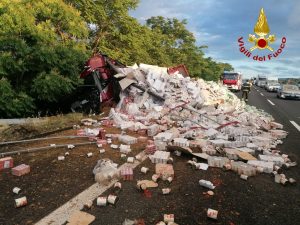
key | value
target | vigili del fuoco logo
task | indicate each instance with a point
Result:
(261, 40)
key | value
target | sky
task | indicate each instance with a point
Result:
(219, 24)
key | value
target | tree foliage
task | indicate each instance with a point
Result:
(43, 45)
(36, 38)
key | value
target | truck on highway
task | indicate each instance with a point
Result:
(261, 80)
(232, 80)
(272, 84)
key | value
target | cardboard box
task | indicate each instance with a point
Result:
(164, 170)
(6, 163)
(20, 170)
(127, 173)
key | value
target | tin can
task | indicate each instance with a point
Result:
(211, 213)
(277, 178)
(19, 202)
(283, 181)
(61, 158)
(190, 162)
(244, 177)
(141, 186)
(170, 179)
(16, 190)
(166, 191)
(170, 160)
(260, 169)
(155, 177)
(278, 169)
(130, 159)
(90, 154)
(101, 201)
(211, 193)
(227, 166)
(292, 181)
(144, 170)
(88, 204)
(101, 151)
(112, 199)
(168, 218)
(118, 186)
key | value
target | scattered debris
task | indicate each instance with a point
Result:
(207, 184)
(88, 204)
(80, 218)
(211, 213)
(16, 190)
(112, 199)
(60, 158)
(19, 202)
(104, 171)
(166, 191)
(126, 173)
(20, 170)
(144, 170)
(211, 193)
(168, 218)
(6, 163)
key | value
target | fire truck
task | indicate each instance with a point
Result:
(232, 80)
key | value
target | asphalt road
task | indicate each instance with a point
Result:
(286, 112)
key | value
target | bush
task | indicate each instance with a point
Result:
(14, 104)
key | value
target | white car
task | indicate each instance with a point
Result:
(288, 91)
(273, 87)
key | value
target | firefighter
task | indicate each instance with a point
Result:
(246, 89)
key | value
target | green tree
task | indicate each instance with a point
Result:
(180, 45)
(41, 42)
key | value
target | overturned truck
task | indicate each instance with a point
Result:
(102, 83)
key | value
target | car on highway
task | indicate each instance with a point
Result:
(288, 91)
(272, 87)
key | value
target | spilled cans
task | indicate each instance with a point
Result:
(211, 213)
(155, 177)
(19, 202)
(144, 170)
(101, 201)
(16, 190)
(61, 158)
(112, 199)
(166, 191)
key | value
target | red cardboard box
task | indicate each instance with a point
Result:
(127, 173)
(20, 170)
(6, 163)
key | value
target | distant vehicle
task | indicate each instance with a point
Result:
(233, 81)
(288, 91)
(272, 84)
(261, 80)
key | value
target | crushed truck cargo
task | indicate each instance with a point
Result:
(175, 117)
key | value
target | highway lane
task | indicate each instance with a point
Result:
(286, 112)
(289, 110)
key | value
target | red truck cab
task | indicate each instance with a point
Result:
(232, 80)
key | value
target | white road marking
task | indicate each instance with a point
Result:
(63, 213)
(295, 125)
(270, 102)
(261, 94)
